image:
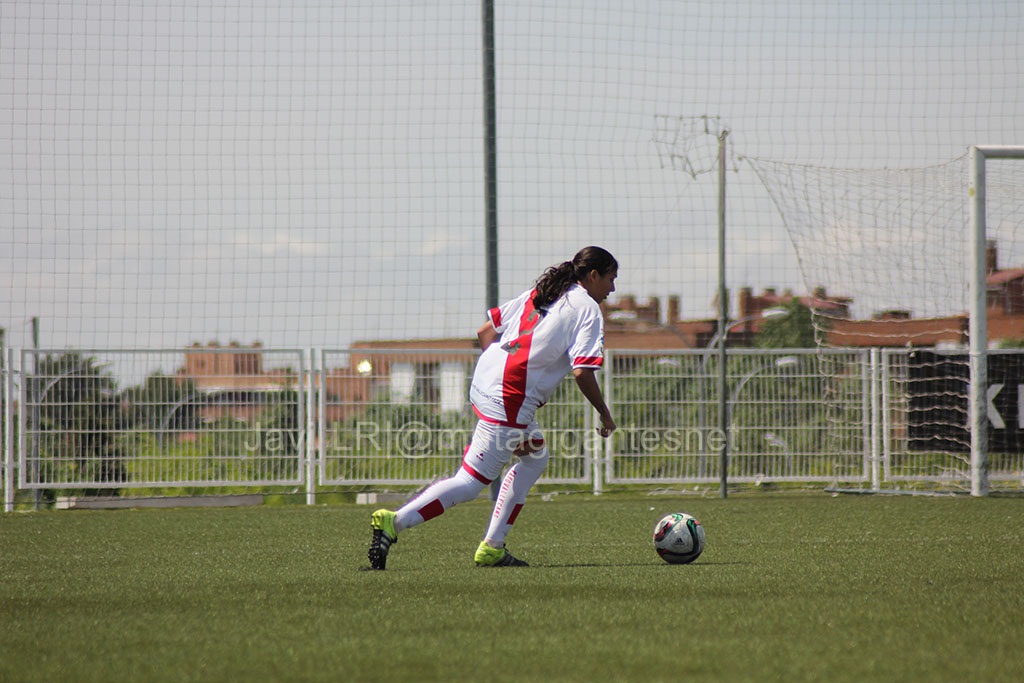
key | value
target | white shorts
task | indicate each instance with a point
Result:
(493, 445)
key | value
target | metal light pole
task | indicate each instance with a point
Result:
(723, 319)
(490, 156)
(490, 172)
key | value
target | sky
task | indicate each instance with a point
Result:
(310, 174)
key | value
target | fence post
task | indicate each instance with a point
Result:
(320, 429)
(886, 449)
(7, 360)
(309, 450)
(875, 419)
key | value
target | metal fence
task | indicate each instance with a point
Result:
(392, 417)
(112, 419)
(100, 420)
(793, 415)
(924, 421)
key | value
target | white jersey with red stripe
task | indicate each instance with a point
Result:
(518, 373)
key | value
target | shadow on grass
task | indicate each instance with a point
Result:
(570, 565)
(632, 564)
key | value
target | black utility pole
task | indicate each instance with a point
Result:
(490, 172)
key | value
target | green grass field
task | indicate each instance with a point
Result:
(791, 587)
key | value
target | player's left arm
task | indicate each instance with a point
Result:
(586, 355)
(586, 380)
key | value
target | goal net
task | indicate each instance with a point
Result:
(887, 254)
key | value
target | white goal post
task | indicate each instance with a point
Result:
(978, 330)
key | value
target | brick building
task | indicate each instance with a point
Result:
(1004, 298)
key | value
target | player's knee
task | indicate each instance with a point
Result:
(537, 458)
(530, 447)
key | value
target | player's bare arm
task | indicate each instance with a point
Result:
(487, 335)
(586, 380)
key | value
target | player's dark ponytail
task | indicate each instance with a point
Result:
(556, 280)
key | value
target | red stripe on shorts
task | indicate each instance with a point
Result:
(476, 475)
(495, 421)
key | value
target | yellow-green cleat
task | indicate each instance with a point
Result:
(384, 535)
(486, 556)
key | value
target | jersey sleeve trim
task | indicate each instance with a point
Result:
(495, 316)
(587, 362)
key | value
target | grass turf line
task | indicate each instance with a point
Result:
(791, 587)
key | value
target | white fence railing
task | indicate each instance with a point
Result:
(794, 415)
(257, 417)
(203, 417)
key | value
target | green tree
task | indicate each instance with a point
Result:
(279, 424)
(794, 331)
(164, 403)
(76, 415)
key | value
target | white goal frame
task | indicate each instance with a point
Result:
(978, 326)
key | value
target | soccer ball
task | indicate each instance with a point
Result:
(679, 538)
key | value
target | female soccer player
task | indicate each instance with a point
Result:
(529, 345)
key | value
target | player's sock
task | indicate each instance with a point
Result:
(517, 483)
(438, 497)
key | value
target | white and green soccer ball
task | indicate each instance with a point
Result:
(679, 538)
